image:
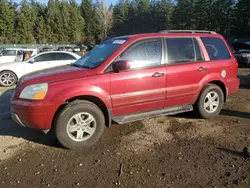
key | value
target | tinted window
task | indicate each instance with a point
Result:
(46, 57)
(216, 48)
(9, 53)
(64, 56)
(144, 54)
(180, 50)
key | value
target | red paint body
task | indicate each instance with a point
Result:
(128, 91)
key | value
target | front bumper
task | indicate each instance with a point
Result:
(15, 117)
(32, 114)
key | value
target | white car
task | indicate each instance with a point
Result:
(11, 72)
(15, 54)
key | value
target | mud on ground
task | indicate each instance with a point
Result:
(175, 151)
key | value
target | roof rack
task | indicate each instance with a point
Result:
(187, 31)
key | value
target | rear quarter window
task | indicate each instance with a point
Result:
(216, 48)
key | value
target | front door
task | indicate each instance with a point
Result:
(41, 61)
(141, 88)
(186, 68)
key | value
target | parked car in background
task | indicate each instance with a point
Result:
(11, 72)
(126, 79)
(15, 54)
(46, 49)
(65, 48)
(77, 49)
(242, 53)
(11, 55)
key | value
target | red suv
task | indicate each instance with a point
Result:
(126, 79)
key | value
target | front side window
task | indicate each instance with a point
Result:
(46, 57)
(142, 54)
(9, 53)
(64, 57)
(182, 50)
(216, 48)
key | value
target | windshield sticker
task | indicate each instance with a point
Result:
(119, 41)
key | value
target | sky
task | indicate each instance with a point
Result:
(78, 1)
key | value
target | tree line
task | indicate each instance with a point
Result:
(65, 21)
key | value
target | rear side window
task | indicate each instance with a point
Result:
(9, 53)
(65, 56)
(183, 50)
(46, 57)
(216, 48)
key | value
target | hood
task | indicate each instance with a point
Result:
(54, 74)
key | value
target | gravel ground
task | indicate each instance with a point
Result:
(173, 151)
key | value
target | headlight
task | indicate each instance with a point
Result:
(34, 92)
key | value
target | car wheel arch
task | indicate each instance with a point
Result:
(96, 100)
(9, 71)
(215, 82)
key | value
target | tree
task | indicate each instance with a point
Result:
(76, 23)
(240, 19)
(88, 13)
(26, 23)
(104, 20)
(7, 22)
(183, 15)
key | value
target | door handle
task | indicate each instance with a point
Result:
(202, 69)
(158, 74)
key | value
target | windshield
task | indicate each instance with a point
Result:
(9, 53)
(100, 53)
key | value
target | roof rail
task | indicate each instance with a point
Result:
(187, 31)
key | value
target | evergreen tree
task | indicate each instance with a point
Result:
(76, 23)
(25, 23)
(88, 13)
(104, 20)
(183, 15)
(241, 19)
(7, 22)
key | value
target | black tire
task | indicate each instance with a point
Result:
(67, 113)
(199, 105)
(13, 78)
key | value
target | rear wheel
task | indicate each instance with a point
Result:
(80, 124)
(210, 101)
(7, 78)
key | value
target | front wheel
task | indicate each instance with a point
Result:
(80, 124)
(210, 101)
(8, 78)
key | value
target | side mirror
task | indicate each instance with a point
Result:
(1, 55)
(31, 61)
(121, 65)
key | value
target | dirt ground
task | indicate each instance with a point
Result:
(177, 151)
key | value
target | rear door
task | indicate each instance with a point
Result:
(142, 87)
(64, 59)
(219, 55)
(8, 56)
(186, 67)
